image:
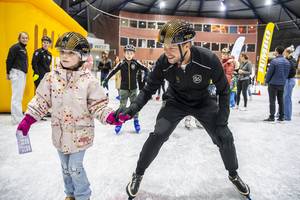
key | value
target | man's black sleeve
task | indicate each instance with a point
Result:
(154, 81)
(12, 53)
(221, 83)
(114, 71)
(34, 62)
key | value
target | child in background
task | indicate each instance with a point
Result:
(76, 98)
(128, 90)
(233, 90)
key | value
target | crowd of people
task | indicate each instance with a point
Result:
(199, 85)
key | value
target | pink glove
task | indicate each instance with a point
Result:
(25, 124)
(111, 119)
(123, 118)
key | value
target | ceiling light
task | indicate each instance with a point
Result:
(162, 5)
(268, 2)
(222, 7)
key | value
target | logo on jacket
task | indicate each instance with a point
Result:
(197, 78)
(132, 66)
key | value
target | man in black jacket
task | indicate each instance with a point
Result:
(105, 65)
(188, 70)
(16, 69)
(41, 61)
(128, 89)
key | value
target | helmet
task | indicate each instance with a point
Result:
(46, 38)
(74, 42)
(129, 47)
(176, 32)
(225, 51)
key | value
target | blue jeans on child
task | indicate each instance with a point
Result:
(287, 97)
(75, 179)
(232, 99)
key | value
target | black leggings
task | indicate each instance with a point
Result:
(242, 86)
(167, 120)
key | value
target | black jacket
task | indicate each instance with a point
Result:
(293, 68)
(105, 67)
(17, 58)
(189, 87)
(129, 71)
(41, 61)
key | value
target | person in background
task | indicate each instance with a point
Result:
(233, 90)
(117, 78)
(228, 64)
(41, 61)
(105, 65)
(276, 77)
(16, 70)
(76, 98)
(290, 83)
(244, 73)
(128, 89)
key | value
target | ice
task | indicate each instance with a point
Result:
(188, 166)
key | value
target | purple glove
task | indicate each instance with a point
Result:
(25, 124)
(123, 118)
(111, 119)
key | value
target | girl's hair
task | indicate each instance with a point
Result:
(244, 56)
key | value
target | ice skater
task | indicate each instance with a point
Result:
(188, 69)
(76, 98)
(129, 68)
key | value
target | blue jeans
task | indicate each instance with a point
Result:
(232, 99)
(288, 89)
(75, 179)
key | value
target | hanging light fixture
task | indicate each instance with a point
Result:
(162, 5)
(222, 6)
(268, 2)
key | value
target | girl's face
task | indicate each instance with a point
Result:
(69, 59)
(129, 55)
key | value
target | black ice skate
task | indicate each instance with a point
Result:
(133, 186)
(240, 186)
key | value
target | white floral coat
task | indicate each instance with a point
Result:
(75, 98)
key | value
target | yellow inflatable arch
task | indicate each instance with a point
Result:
(37, 18)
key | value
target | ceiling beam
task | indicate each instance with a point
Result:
(201, 2)
(120, 6)
(176, 7)
(282, 3)
(286, 10)
(251, 6)
(82, 9)
(150, 6)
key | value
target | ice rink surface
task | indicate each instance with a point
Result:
(188, 166)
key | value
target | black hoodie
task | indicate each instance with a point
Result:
(17, 58)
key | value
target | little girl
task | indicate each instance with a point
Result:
(75, 97)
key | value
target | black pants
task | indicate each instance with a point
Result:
(242, 86)
(276, 91)
(168, 118)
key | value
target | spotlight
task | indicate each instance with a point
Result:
(268, 2)
(162, 5)
(222, 7)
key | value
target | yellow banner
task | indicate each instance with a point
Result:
(264, 53)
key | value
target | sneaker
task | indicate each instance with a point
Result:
(118, 129)
(240, 185)
(243, 109)
(70, 198)
(280, 119)
(133, 186)
(269, 119)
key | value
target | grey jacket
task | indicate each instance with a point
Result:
(247, 68)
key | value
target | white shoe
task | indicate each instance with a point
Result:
(243, 109)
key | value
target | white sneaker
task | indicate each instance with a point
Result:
(243, 109)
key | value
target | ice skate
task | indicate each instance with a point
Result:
(118, 129)
(133, 186)
(242, 187)
(136, 124)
